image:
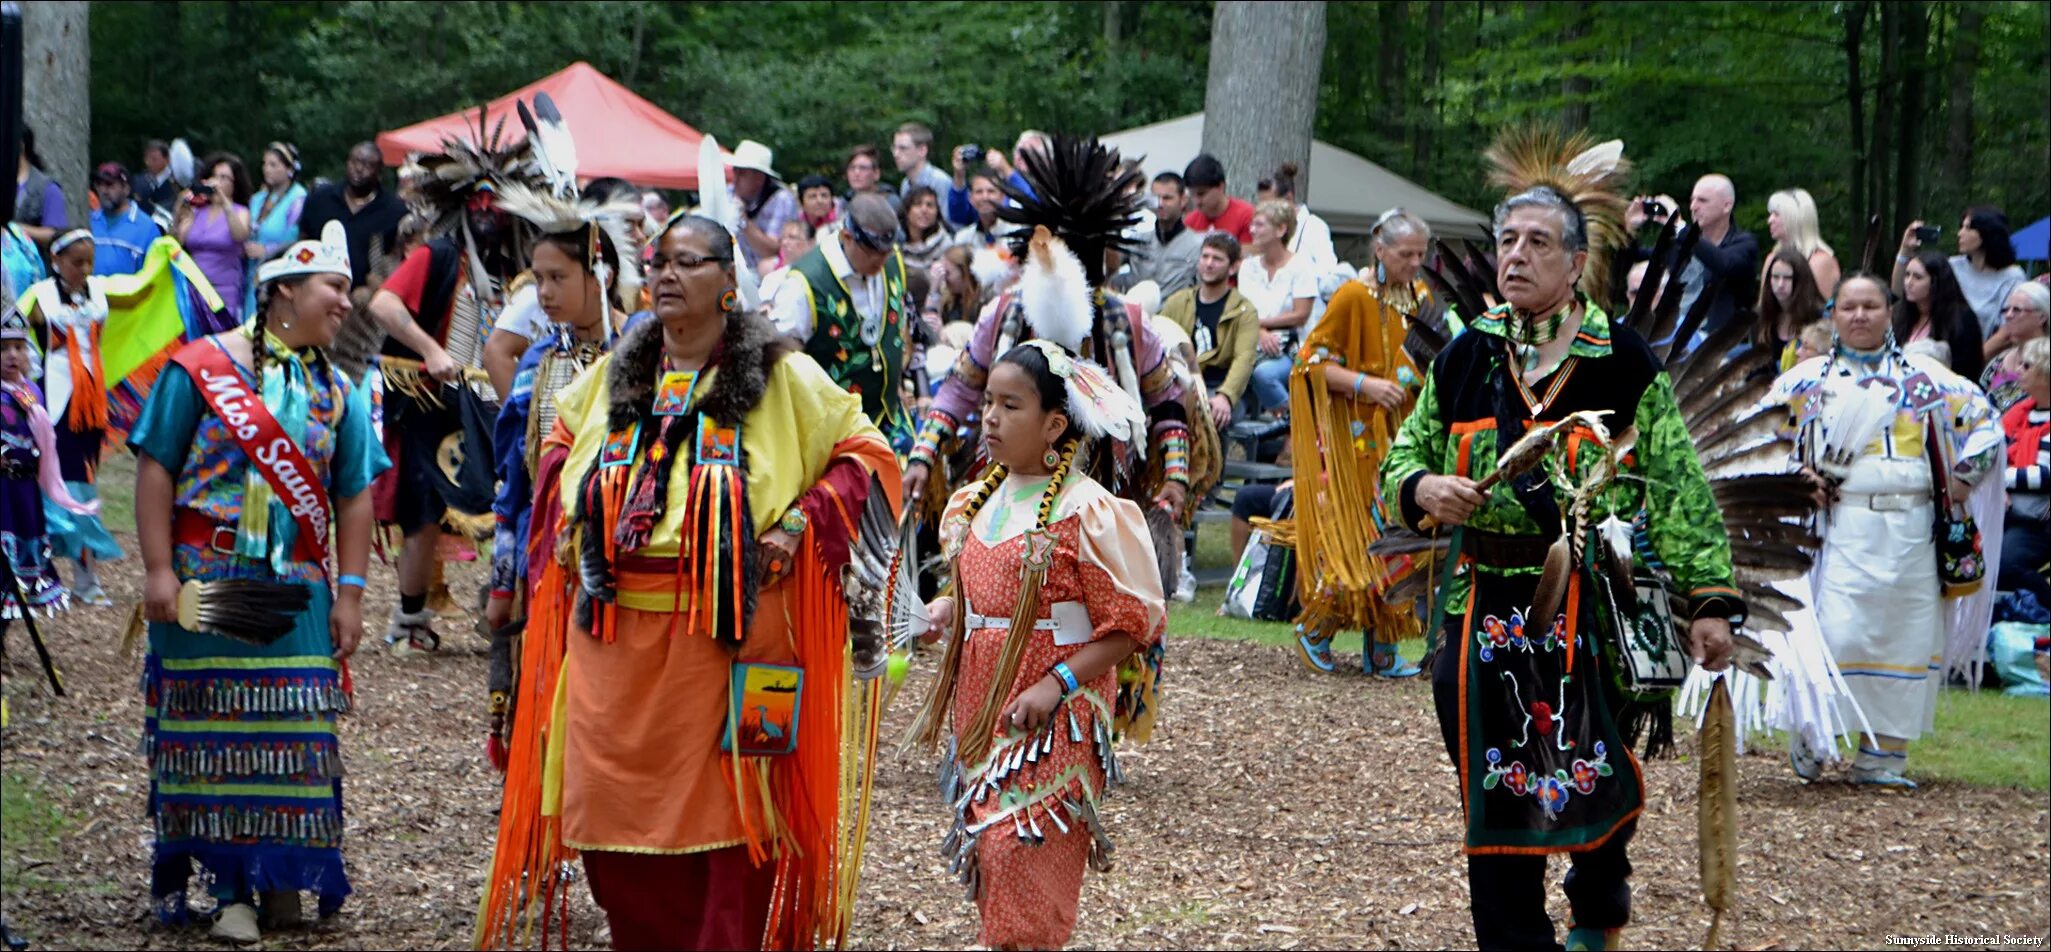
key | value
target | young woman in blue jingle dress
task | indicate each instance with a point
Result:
(245, 772)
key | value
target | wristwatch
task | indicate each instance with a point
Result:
(793, 521)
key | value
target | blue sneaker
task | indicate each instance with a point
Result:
(1316, 653)
(1889, 779)
(1386, 663)
(1581, 939)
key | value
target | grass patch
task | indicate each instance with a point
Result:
(116, 482)
(33, 826)
(1200, 619)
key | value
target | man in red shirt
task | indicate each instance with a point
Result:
(1215, 209)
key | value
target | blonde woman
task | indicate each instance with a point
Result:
(1791, 221)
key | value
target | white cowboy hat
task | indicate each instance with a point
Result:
(754, 155)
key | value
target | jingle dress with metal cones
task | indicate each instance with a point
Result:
(1027, 817)
(245, 770)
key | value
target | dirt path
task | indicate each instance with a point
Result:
(1271, 811)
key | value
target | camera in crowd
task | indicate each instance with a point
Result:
(1654, 209)
(1926, 233)
(972, 155)
(202, 195)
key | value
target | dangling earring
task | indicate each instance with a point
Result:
(730, 301)
(1381, 274)
(1052, 457)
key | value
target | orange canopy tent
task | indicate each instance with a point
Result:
(617, 132)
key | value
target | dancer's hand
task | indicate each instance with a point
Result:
(777, 552)
(345, 620)
(1383, 392)
(1172, 496)
(1709, 641)
(442, 367)
(1033, 708)
(916, 474)
(160, 596)
(1449, 499)
(940, 614)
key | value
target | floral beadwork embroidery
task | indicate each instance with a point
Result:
(1498, 633)
(1552, 791)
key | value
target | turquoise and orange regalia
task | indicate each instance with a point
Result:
(652, 488)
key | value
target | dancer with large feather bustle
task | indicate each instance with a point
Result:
(1055, 586)
(1586, 421)
(1079, 196)
(246, 669)
(690, 715)
(1351, 387)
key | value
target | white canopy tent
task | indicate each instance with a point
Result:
(1348, 191)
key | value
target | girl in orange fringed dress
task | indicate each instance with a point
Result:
(1056, 585)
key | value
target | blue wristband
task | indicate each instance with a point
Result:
(1069, 685)
(356, 580)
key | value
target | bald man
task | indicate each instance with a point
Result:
(1726, 255)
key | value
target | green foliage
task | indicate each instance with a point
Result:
(1756, 90)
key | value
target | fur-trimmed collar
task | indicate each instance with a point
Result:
(748, 350)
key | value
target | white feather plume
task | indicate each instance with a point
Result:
(991, 266)
(1852, 416)
(1056, 292)
(1601, 157)
(555, 151)
(716, 201)
(181, 161)
(1146, 296)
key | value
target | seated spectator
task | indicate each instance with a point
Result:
(1312, 237)
(1222, 325)
(765, 203)
(2026, 535)
(910, 149)
(864, 171)
(1791, 222)
(1984, 268)
(1281, 287)
(961, 205)
(1789, 302)
(817, 204)
(1214, 208)
(1166, 253)
(121, 232)
(38, 199)
(987, 197)
(2022, 321)
(156, 189)
(1933, 315)
(925, 235)
(796, 240)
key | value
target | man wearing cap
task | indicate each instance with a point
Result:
(845, 303)
(766, 203)
(121, 232)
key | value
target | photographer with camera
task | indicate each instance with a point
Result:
(1725, 256)
(971, 159)
(212, 222)
(1985, 264)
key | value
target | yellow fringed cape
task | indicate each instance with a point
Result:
(1337, 450)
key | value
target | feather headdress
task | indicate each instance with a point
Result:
(481, 160)
(1056, 292)
(1077, 189)
(1099, 407)
(555, 205)
(1588, 174)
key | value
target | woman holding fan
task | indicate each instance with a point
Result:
(251, 447)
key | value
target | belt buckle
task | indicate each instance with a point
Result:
(1889, 502)
(215, 541)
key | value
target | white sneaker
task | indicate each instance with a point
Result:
(412, 634)
(1185, 587)
(236, 923)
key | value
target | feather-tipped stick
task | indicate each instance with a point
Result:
(1528, 451)
(1717, 807)
(1666, 307)
(246, 610)
(1639, 317)
(1552, 583)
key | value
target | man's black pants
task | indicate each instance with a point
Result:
(1508, 892)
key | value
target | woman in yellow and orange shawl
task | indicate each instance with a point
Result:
(1352, 385)
(703, 488)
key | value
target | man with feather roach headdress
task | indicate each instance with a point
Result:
(1079, 200)
(1584, 417)
(437, 311)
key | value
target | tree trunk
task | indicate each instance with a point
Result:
(1260, 101)
(56, 83)
(1114, 24)
(1915, 53)
(1855, 98)
(1883, 116)
(1420, 146)
(1575, 88)
(634, 53)
(1389, 43)
(1958, 137)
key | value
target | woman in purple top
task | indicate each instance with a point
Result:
(213, 225)
(38, 199)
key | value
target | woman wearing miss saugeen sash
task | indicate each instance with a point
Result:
(253, 454)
